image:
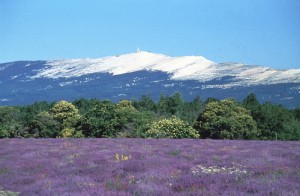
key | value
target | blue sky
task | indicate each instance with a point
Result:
(257, 32)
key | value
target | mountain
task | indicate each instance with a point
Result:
(131, 75)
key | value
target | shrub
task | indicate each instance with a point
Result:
(226, 120)
(44, 125)
(3, 132)
(64, 110)
(172, 128)
(71, 133)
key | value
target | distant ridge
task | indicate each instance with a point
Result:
(129, 76)
(181, 68)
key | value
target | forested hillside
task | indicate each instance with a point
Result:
(170, 117)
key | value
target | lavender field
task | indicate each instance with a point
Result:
(148, 167)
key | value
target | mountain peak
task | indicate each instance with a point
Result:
(149, 72)
(180, 68)
(126, 63)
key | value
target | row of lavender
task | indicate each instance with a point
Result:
(149, 167)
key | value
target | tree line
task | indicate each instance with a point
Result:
(169, 117)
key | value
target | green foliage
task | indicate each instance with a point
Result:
(226, 120)
(78, 134)
(174, 103)
(94, 118)
(101, 120)
(67, 132)
(146, 104)
(189, 111)
(9, 114)
(44, 125)
(210, 99)
(64, 110)
(27, 113)
(250, 102)
(10, 122)
(277, 122)
(137, 126)
(142, 123)
(84, 105)
(3, 132)
(126, 116)
(125, 104)
(70, 133)
(68, 117)
(171, 128)
(296, 113)
(170, 105)
(125, 113)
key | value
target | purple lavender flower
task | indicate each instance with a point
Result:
(149, 167)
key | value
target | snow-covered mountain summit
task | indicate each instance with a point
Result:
(130, 76)
(180, 68)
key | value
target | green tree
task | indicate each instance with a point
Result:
(84, 105)
(146, 103)
(44, 125)
(3, 132)
(10, 123)
(251, 102)
(70, 133)
(64, 110)
(68, 116)
(277, 122)
(170, 105)
(125, 117)
(133, 123)
(210, 99)
(226, 120)
(189, 111)
(296, 113)
(162, 105)
(101, 120)
(142, 123)
(27, 113)
(172, 128)
(175, 103)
